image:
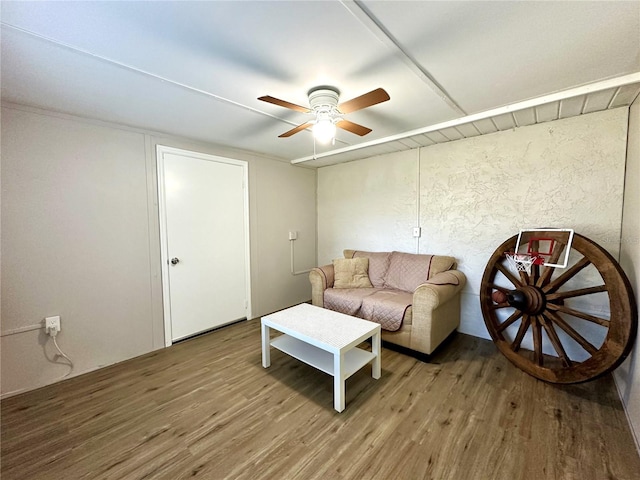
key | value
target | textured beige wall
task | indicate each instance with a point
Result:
(368, 205)
(628, 375)
(571, 175)
(80, 239)
(478, 192)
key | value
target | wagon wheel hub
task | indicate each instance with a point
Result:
(527, 299)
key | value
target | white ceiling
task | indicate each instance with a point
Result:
(195, 69)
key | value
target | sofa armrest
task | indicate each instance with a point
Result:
(436, 310)
(439, 289)
(321, 278)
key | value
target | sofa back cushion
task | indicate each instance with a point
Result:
(378, 264)
(409, 270)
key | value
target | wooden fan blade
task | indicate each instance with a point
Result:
(284, 103)
(374, 97)
(353, 127)
(297, 129)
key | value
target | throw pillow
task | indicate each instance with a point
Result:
(351, 273)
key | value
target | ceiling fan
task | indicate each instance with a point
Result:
(323, 104)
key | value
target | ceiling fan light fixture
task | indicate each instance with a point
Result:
(324, 130)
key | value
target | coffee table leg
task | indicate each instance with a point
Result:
(266, 353)
(375, 348)
(338, 382)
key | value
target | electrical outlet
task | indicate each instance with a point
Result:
(52, 325)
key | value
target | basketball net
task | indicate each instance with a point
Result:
(522, 262)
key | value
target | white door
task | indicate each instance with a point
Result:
(204, 230)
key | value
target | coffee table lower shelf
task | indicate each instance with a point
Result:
(354, 359)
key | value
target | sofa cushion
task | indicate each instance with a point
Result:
(351, 273)
(407, 271)
(346, 300)
(386, 307)
(378, 265)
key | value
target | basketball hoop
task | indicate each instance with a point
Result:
(522, 262)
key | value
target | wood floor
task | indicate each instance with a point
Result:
(207, 409)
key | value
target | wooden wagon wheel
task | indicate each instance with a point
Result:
(541, 302)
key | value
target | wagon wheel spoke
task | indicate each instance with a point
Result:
(569, 330)
(498, 306)
(535, 269)
(576, 293)
(507, 273)
(566, 276)
(575, 313)
(555, 341)
(509, 321)
(534, 275)
(524, 326)
(545, 277)
(537, 340)
(493, 286)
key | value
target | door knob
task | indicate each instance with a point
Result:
(175, 261)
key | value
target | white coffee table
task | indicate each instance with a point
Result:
(325, 340)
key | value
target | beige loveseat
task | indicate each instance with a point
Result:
(415, 298)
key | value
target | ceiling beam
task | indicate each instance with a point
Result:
(514, 107)
(364, 15)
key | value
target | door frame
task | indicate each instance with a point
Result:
(161, 150)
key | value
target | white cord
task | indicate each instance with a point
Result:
(62, 354)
